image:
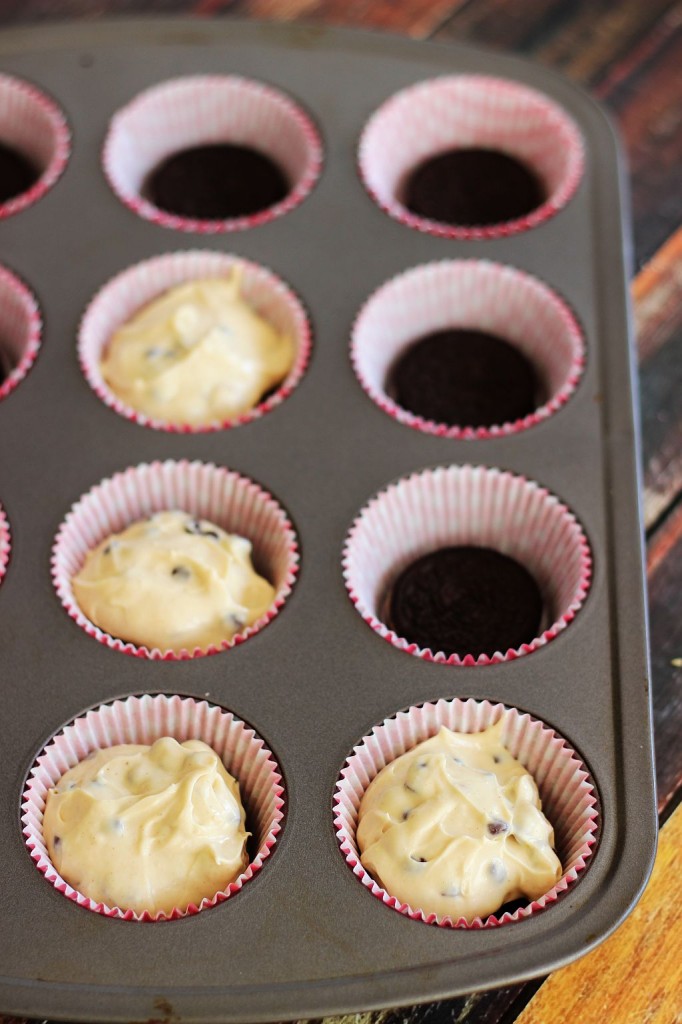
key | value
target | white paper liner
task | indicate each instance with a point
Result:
(478, 295)
(34, 125)
(20, 329)
(202, 109)
(568, 795)
(468, 111)
(143, 720)
(220, 495)
(5, 542)
(121, 297)
(467, 505)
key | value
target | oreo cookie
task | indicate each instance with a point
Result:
(473, 188)
(17, 174)
(216, 182)
(464, 378)
(465, 600)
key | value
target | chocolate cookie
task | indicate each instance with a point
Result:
(464, 378)
(465, 600)
(473, 188)
(17, 174)
(216, 182)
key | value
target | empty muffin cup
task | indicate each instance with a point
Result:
(5, 543)
(143, 720)
(129, 292)
(567, 792)
(34, 144)
(184, 114)
(467, 507)
(480, 114)
(478, 296)
(233, 502)
(20, 331)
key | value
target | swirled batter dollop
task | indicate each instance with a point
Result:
(199, 354)
(147, 828)
(455, 827)
(173, 583)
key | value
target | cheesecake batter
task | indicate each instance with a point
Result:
(197, 355)
(147, 828)
(172, 582)
(455, 827)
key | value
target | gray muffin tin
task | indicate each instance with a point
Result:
(304, 937)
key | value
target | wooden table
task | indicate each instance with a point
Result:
(629, 53)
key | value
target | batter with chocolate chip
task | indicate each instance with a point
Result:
(172, 583)
(455, 827)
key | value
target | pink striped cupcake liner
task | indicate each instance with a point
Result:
(5, 542)
(467, 505)
(144, 719)
(205, 491)
(121, 297)
(470, 111)
(33, 124)
(568, 794)
(474, 294)
(20, 330)
(199, 110)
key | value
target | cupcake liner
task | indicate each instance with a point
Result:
(568, 794)
(479, 295)
(34, 125)
(121, 297)
(20, 329)
(467, 505)
(222, 496)
(5, 542)
(145, 719)
(199, 110)
(470, 111)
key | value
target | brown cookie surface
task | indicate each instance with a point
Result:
(17, 174)
(465, 600)
(464, 378)
(216, 182)
(473, 188)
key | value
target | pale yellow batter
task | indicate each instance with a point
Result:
(172, 582)
(147, 828)
(455, 827)
(199, 354)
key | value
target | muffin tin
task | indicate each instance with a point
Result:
(305, 937)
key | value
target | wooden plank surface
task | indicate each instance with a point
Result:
(635, 977)
(630, 54)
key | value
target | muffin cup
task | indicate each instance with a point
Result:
(568, 795)
(478, 295)
(200, 110)
(5, 543)
(467, 505)
(143, 720)
(470, 111)
(205, 491)
(34, 125)
(118, 300)
(20, 329)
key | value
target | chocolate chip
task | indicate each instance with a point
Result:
(458, 760)
(497, 759)
(496, 828)
(406, 815)
(418, 859)
(195, 528)
(409, 788)
(181, 572)
(57, 840)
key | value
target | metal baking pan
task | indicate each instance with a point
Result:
(304, 938)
